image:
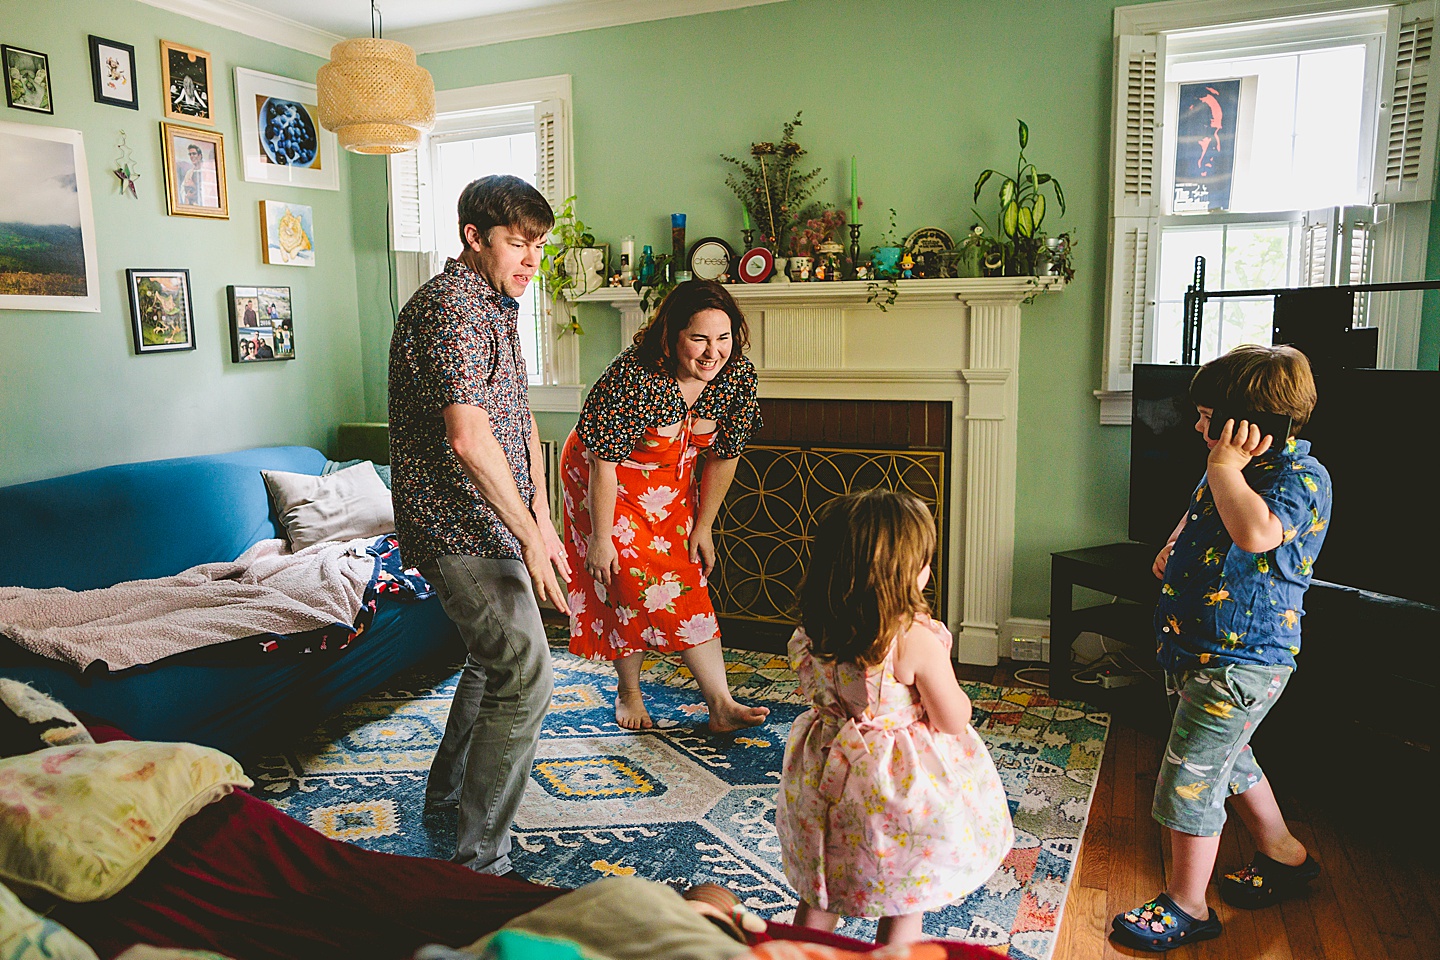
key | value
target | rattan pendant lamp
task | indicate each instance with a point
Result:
(373, 95)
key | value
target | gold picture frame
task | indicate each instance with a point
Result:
(186, 85)
(194, 171)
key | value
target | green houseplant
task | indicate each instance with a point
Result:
(885, 255)
(562, 269)
(1022, 208)
(773, 189)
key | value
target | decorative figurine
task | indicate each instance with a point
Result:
(907, 267)
(616, 279)
(862, 270)
(820, 271)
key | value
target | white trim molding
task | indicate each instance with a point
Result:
(254, 22)
(556, 397)
(947, 340)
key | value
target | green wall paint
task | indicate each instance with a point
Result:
(73, 394)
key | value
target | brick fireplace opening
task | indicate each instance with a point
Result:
(809, 452)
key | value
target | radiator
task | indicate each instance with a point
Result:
(550, 453)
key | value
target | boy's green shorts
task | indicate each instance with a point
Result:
(1216, 710)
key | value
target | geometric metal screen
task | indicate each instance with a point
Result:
(764, 529)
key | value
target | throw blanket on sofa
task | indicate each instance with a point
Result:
(266, 590)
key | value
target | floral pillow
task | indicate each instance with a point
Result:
(25, 935)
(29, 720)
(79, 822)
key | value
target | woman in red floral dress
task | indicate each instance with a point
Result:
(638, 512)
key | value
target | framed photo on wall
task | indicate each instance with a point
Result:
(281, 141)
(27, 79)
(261, 325)
(47, 245)
(112, 71)
(162, 317)
(185, 73)
(194, 171)
(287, 232)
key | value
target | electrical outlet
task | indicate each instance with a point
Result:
(1030, 648)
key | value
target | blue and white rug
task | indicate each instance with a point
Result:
(673, 805)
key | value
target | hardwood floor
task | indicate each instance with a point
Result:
(1358, 805)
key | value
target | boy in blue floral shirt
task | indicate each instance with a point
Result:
(1228, 622)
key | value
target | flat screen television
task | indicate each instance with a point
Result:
(1373, 430)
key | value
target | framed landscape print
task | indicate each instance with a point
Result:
(162, 317)
(112, 70)
(288, 233)
(281, 141)
(27, 79)
(261, 327)
(185, 73)
(48, 257)
(194, 171)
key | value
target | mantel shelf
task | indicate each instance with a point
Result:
(844, 292)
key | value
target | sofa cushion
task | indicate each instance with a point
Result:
(344, 505)
(80, 822)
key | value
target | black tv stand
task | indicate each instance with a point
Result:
(1121, 570)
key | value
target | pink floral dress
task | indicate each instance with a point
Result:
(878, 814)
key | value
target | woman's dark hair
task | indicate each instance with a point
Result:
(862, 586)
(656, 342)
(504, 201)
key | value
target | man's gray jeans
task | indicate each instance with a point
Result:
(500, 701)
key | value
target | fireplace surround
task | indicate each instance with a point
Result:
(954, 342)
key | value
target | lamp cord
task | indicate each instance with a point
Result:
(376, 31)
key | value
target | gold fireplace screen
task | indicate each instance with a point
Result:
(764, 529)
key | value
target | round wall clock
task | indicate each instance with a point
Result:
(710, 258)
(756, 265)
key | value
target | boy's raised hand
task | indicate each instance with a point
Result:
(1238, 444)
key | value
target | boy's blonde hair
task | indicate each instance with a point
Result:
(862, 585)
(1262, 379)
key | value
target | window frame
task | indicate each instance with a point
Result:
(1138, 155)
(419, 254)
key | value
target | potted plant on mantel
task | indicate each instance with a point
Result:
(773, 190)
(570, 266)
(1022, 210)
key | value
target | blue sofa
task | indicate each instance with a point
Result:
(142, 520)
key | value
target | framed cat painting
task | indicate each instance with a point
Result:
(287, 234)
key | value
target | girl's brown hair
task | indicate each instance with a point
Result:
(1263, 379)
(656, 342)
(862, 586)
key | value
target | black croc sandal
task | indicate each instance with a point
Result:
(1265, 882)
(1160, 925)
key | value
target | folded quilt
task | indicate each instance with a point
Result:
(267, 589)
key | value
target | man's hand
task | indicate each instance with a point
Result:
(542, 575)
(702, 549)
(602, 560)
(1238, 443)
(555, 548)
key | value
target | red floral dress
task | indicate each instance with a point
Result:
(660, 600)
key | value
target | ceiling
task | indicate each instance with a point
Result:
(431, 25)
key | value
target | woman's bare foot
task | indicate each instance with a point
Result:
(630, 710)
(735, 716)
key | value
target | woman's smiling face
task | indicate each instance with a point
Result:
(704, 346)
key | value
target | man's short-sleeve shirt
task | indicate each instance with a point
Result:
(455, 342)
(632, 395)
(1221, 604)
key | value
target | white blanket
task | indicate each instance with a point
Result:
(267, 589)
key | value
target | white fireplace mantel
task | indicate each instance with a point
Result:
(955, 340)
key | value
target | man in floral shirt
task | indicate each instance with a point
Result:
(470, 505)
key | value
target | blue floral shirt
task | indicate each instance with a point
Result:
(1220, 604)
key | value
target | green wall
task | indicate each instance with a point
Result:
(926, 96)
(73, 394)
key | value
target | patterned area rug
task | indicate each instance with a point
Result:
(677, 806)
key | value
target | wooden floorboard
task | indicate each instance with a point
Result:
(1378, 897)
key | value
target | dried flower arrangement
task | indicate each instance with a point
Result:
(772, 189)
(815, 231)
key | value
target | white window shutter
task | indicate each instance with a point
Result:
(1317, 247)
(1136, 151)
(1134, 270)
(410, 200)
(550, 152)
(1405, 158)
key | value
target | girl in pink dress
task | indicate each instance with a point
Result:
(889, 803)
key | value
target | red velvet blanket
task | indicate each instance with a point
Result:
(248, 881)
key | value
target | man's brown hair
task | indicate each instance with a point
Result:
(862, 586)
(504, 201)
(656, 342)
(1261, 379)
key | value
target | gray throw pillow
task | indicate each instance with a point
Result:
(347, 504)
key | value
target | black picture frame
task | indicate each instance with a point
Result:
(710, 243)
(262, 323)
(104, 73)
(158, 323)
(47, 105)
